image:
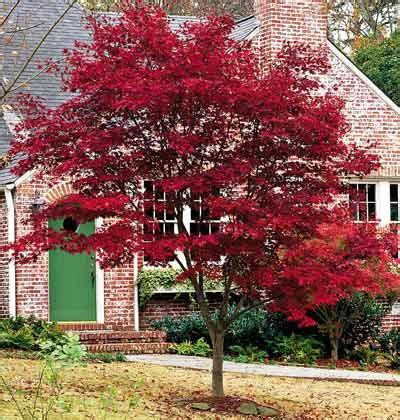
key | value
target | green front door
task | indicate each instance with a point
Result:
(72, 279)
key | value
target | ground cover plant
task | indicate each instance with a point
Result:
(193, 116)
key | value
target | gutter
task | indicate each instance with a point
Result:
(12, 304)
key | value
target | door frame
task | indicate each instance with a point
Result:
(99, 286)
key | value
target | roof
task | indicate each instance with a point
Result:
(42, 15)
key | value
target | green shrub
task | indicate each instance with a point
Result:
(153, 279)
(27, 333)
(248, 354)
(255, 328)
(390, 346)
(350, 323)
(365, 355)
(67, 349)
(187, 348)
(298, 349)
(185, 328)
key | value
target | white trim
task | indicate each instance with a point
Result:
(342, 57)
(12, 302)
(383, 202)
(99, 284)
(136, 322)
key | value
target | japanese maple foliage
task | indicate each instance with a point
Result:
(192, 112)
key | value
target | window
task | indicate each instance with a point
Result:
(362, 199)
(200, 222)
(395, 213)
(156, 207)
(394, 203)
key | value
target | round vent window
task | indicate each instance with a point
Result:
(70, 224)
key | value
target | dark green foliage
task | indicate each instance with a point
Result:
(247, 354)
(27, 333)
(365, 355)
(185, 328)
(105, 357)
(200, 348)
(380, 61)
(364, 321)
(298, 349)
(390, 345)
(257, 328)
(352, 322)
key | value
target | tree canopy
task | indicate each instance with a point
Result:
(380, 61)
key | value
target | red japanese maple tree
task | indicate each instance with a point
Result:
(191, 112)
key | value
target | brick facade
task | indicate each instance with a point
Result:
(4, 311)
(32, 280)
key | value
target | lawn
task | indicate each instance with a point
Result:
(133, 390)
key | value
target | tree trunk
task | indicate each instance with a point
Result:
(334, 342)
(218, 361)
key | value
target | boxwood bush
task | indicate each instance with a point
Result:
(255, 328)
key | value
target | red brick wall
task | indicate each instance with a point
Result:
(170, 304)
(3, 258)
(32, 279)
(370, 118)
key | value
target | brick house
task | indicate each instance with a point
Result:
(97, 300)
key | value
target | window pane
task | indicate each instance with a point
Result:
(214, 228)
(371, 192)
(195, 211)
(159, 194)
(362, 212)
(394, 193)
(353, 192)
(394, 212)
(205, 229)
(371, 211)
(169, 228)
(148, 187)
(194, 229)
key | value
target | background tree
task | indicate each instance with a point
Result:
(258, 158)
(379, 60)
(352, 20)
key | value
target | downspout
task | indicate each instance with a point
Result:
(11, 238)
(136, 293)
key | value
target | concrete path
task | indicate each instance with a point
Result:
(202, 363)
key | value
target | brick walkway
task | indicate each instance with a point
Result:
(201, 363)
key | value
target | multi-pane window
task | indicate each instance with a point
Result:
(394, 203)
(395, 213)
(363, 202)
(156, 206)
(200, 221)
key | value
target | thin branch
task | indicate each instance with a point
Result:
(25, 82)
(10, 13)
(28, 61)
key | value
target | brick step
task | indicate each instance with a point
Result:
(129, 348)
(109, 337)
(80, 326)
